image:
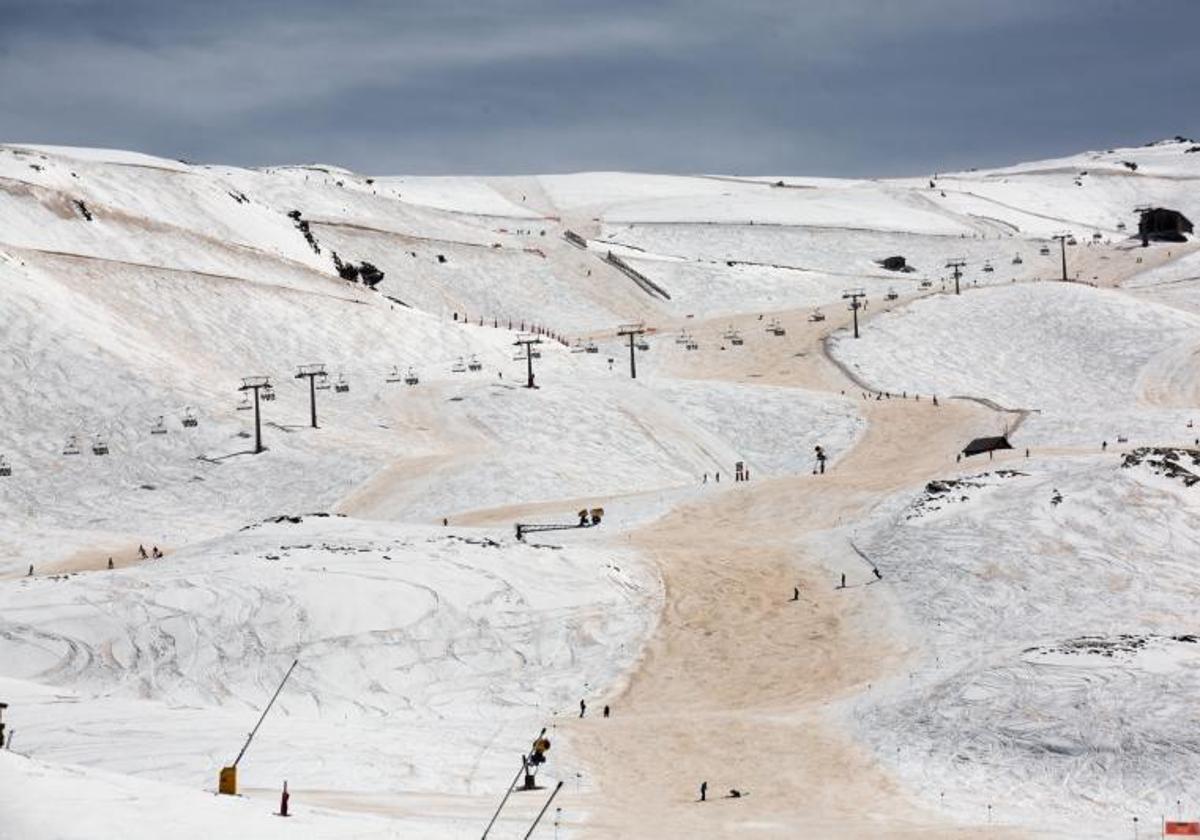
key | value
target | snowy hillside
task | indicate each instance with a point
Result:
(1018, 651)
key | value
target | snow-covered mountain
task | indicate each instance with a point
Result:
(137, 292)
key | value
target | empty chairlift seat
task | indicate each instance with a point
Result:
(159, 427)
(394, 376)
(71, 447)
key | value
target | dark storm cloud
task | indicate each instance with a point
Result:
(850, 87)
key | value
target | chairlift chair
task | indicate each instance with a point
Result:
(458, 366)
(536, 353)
(591, 347)
(341, 386)
(410, 378)
(926, 283)
(244, 404)
(1071, 240)
(682, 338)
(779, 331)
(5, 467)
(71, 447)
(99, 446)
(891, 295)
(474, 364)
(736, 339)
(577, 347)
(691, 345)
(987, 268)
(189, 418)
(1017, 259)
(268, 394)
(1044, 250)
(817, 315)
(394, 376)
(159, 427)
(322, 383)
(643, 345)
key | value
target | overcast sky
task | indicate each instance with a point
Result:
(850, 87)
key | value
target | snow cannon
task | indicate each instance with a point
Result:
(227, 780)
(536, 758)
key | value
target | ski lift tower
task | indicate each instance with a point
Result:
(527, 341)
(312, 373)
(854, 296)
(633, 331)
(256, 384)
(958, 263)
(1062, 243)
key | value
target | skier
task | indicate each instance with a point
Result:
(110, 563)
(582, 708)
(843, 586)
(155, 553)
(1103, 446)
(30, 570)
(703, 791)
(606, 710)
(142, 552)
(878, 574)
(795, 593)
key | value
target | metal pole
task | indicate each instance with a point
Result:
(1063, 244)
(261, 717)
(854, 306)
(312, 398)
(632, 358)
(257, 425)
(507, 794)
(529, 363)
(542, 812)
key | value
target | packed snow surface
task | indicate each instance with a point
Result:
(1043, 611)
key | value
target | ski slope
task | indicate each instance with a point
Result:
(1052, 655)
(1035, 656)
